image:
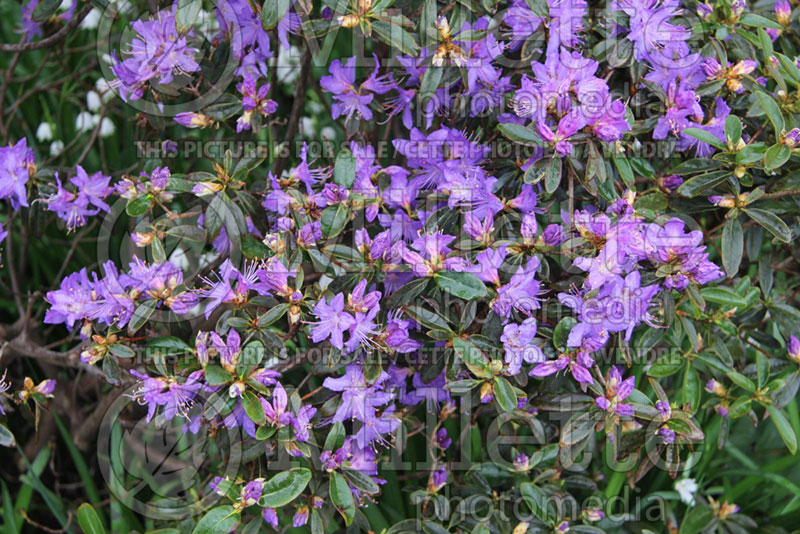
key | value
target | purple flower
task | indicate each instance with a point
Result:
(617, 390)
(17, 164)
(4, 386)
(553, 235)
(228, 351)
(358, 399)
(671, 182)
(157, 53)
(433, 392)
(521, 293)
(72, 302)
(442, 440)
(670, 245)
(176, 397)
(666, 434)
(333, 321)
(74, 207)
(518, 344)
(348, 99)
(251, 492)
(567, 126)
(793, 348)
(277, 415)
(437, 479)
(783, 12)
(270, 517)
(300, 516)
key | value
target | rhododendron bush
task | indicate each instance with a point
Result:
(399, 266)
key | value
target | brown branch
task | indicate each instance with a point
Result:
(779, 194)
(53, 39)
(297, 109)
(84, 437)
(22, 345)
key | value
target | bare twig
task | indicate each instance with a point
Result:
(297, 109)
(53, 39)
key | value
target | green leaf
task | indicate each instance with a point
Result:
(335, 438)
(561, 332)
(430, 82)
(762, 365)
(757, 21)
(408, 292)
(396, 37)
(696, 185)
(6, 437)
(552, 178)
(342, 497)
(168, 343)
(577, 429)
(732, 246)
(272, 315)
(253, 248)
(89, 521)
(772, 110)
(472, 357)
(733, 128)
(696, 520)
(186, 14)
(705, 137)
(723, 295)
(253, 408)
(751, 153)
(361, 481)
(427, 318)
(44, 10)
(539, 8)
(690, 390)
(138, 205)
(771, 222)
(505, 395)
(625, 170)
(667, 365)
(334, 218)
(216, 375)
(520, 134)
(284, 487)
(344, 170)
(784, 428)
(741, 380)
(219, 520)
(141, 314)
(215, 215)
(776, 156)
(272, 11)
(466, 286)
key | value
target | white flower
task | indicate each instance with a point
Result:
(44, 132)
(307, 125)
(179, 258)
(288, 64)
(107, 127)
(686, 487)
(93, 101)
(56, 147)
(104, 88)
(85, 121)
(328, 132)
(92, 20)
